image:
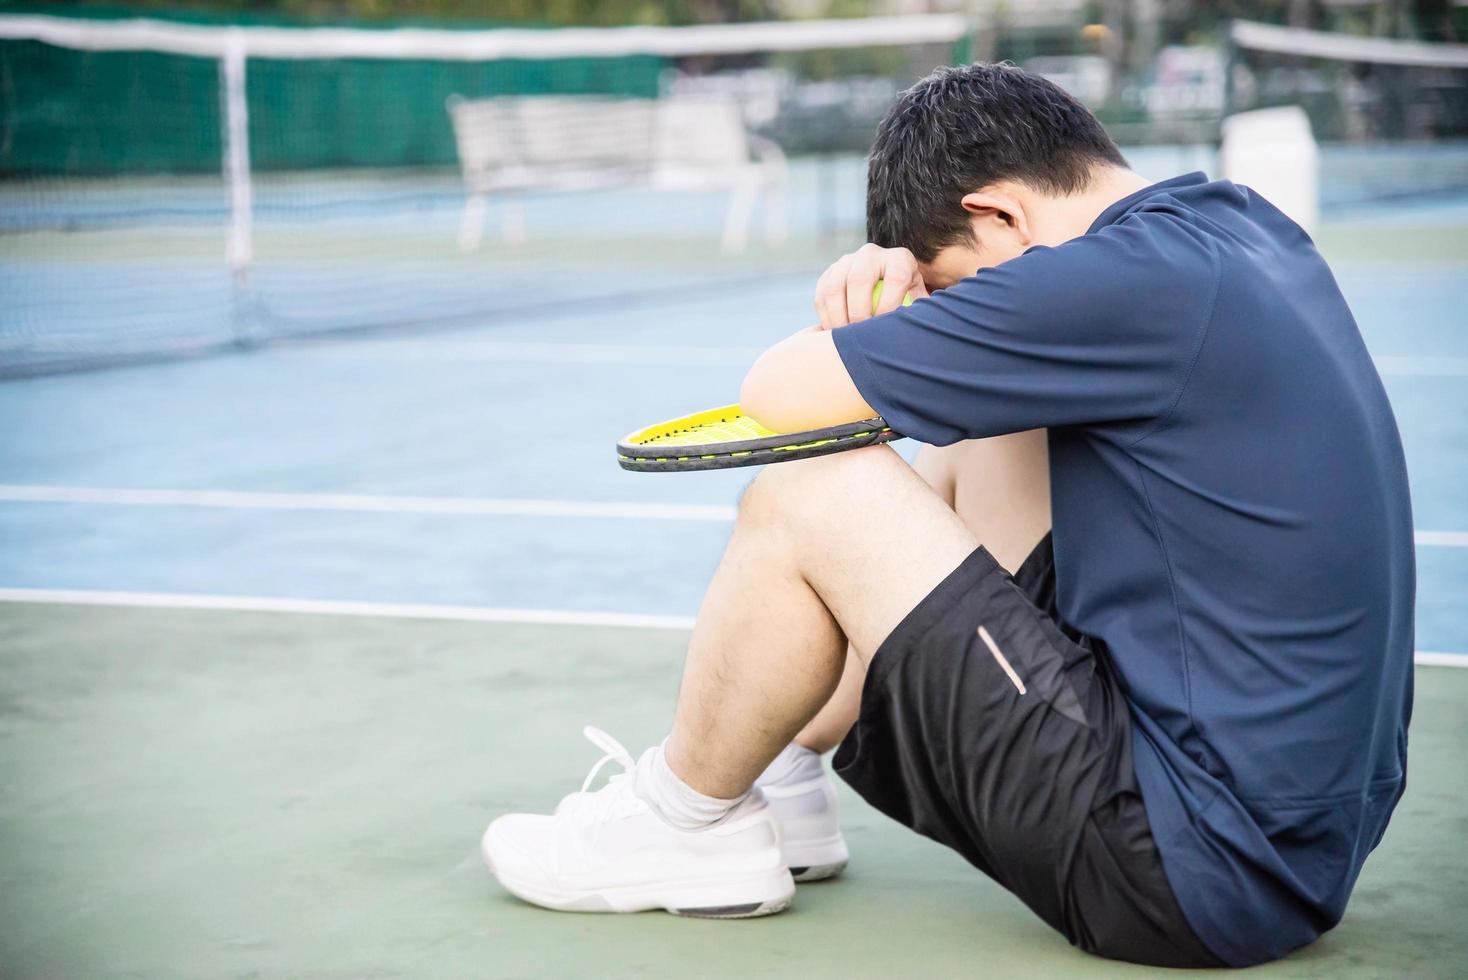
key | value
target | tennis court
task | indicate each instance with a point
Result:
(284, 629)
(316, 554)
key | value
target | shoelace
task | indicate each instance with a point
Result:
(616, 794)
(615, 752)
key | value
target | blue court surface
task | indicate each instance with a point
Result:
(283, 629)
(475, 466)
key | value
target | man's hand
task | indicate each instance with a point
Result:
(844, 291)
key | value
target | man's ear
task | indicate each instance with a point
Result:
(997, 204)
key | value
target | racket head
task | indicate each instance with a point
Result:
(724, 437)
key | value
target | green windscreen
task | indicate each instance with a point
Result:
(83, 113)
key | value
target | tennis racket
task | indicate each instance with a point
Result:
(722, 438)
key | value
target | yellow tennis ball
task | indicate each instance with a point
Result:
(877, 296)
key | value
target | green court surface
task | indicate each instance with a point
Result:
(233, 794)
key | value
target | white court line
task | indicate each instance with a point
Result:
(1427, 658)
(381, 503)
(539, 353)
(364, 503)
(1443, 539)
(1436, 367)
(693, 355)
(334, 607)
(403, 610)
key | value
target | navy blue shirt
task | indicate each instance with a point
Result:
(1231, 517)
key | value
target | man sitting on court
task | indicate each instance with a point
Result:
(1174, 722)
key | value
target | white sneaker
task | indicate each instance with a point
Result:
(809, 828)
(608, 851)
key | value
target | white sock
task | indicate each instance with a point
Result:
(794, 764)
(674, 800)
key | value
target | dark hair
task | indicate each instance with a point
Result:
(960, 129)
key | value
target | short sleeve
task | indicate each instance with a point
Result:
(1100, 330)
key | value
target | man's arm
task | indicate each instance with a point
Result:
(801, 383)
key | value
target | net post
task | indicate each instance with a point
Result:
(239, 247)
(1231, 62)
(1230, 67)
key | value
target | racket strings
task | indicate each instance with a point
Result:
(734, 428)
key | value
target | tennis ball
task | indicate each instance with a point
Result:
(877, 296)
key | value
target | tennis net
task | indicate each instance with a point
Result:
(171, 188)
(1392, 115)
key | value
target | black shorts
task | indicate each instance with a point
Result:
(989, 726)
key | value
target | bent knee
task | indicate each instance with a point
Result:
(824, 483)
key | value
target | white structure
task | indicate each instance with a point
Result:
(568, 143)
(1273, 151)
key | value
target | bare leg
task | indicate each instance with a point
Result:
(744, 681)
(827, 555)
(826, 730)
(824, 551)
(1000, 489)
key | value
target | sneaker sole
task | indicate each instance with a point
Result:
(748, 897)
(695, 902)
(752, 910)
(817, 872)
(816, 860)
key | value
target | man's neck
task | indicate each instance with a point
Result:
(1110, 185)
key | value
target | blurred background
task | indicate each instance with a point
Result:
(214, 174)
(319, 321)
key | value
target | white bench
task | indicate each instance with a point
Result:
(566, 143)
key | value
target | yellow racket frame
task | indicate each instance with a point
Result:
(723, 437)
